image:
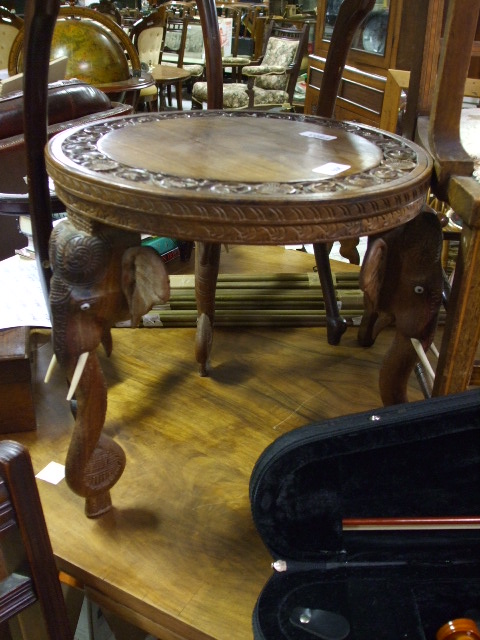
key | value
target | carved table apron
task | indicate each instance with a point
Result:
(260, 178)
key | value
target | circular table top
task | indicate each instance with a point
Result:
(133, 83)
(166, 72)
(239, 176)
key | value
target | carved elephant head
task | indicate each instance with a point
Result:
(402, 280)
(97, 281)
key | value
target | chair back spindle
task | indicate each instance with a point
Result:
(350, 15)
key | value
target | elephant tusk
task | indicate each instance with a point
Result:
(434, 350)
(423, 358)
(51, 368)
(77, 374)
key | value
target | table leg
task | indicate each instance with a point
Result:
(336, 325)
(207, 260)
(97, 281)
(161, 96)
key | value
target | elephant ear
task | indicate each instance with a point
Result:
(144, 281)
(373, 269)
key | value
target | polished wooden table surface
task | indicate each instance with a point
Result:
(239, 177)
(179, 555)
(128, 90)
(165, 74)
(169, 73)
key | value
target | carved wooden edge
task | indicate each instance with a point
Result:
(370, 220)
(324, 204)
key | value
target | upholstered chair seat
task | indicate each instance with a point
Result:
(235, 95)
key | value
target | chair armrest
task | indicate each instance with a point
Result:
(263, 70)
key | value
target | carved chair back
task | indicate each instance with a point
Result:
(148, 35)
(30, 576)
(108, 8)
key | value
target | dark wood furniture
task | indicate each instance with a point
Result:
(172, 55)
(191, 195)
(29, 574)
(165, 75)
(16, 393)
(385, 39)
(456, 182)
(69, 103)
(323, 181)
(392, 36)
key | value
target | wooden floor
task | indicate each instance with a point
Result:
(179, 555)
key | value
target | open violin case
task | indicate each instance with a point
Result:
(370, 520)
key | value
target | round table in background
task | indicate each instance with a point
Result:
(165, 74)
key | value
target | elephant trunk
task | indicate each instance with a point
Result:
(396, 369)
(94, 461)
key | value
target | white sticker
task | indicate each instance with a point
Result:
(54, 472)
(331, 168)
(319, 136)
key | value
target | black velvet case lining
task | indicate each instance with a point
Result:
(420, 459)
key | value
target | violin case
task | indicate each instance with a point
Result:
(337, 503)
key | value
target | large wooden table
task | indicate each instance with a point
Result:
(179, 555)
(214, 177)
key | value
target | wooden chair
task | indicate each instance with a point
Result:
(266, 85)
(173, 53)
(456, 184)
(148, 36)
(272, 81)
(31, 594)
(108, 8)
(10, 25)
(233, 59)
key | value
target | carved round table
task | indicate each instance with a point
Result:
(234, 177)
(239, 177)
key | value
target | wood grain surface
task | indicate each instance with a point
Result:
(179, 555)
(256, 156)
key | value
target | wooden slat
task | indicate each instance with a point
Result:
(16, 594)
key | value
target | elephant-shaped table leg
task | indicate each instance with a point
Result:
(402, 280)
(97, 281)
(207, 260)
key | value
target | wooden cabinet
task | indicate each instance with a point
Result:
(387, 39)
(360, 94)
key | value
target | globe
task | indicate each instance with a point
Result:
(94, 54)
